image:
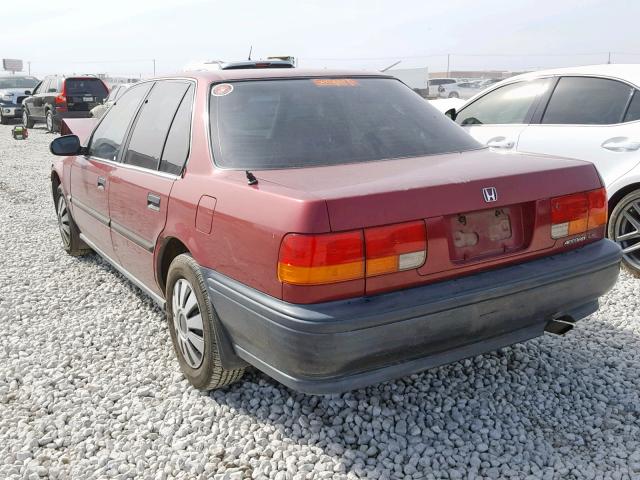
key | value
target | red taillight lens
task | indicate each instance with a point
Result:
(60, 99)
(395, 247)
(578, 212)
(338, 257)
(318, 259)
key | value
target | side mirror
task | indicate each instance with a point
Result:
(66, 145)
(451, 113)
(27, 92)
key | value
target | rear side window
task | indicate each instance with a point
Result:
(633, 112)
(91, 87)
(176, 149)
(153, 122)
(511, 104)
(109, 134)
(587, 101)
(325, 121)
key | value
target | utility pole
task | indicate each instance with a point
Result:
(29, 67)
(609, 58)
(448, 59)
(154, 67)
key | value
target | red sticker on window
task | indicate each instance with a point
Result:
(335, 82)
(222, 89)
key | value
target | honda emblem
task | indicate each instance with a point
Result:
(490, 194)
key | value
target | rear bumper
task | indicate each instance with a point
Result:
(343, 345)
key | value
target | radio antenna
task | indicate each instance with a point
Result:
(250, 50)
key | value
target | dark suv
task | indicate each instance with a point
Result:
(58, 97)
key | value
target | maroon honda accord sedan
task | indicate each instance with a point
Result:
(330, 228)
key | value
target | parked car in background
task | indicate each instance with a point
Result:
(13, 90)
(435, 85)
(463, 90)
(590, 113)
(114, 94)
(58, 97)
(261, 232)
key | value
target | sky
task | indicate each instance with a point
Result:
(124, 37)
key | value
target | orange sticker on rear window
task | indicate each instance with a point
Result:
(335, 82)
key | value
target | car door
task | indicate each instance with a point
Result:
(497, 118)
(142, 182)
(90, 174)
(589, 118)
(36, 109)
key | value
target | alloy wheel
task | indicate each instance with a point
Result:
(49, 122)
(25, 117)
(627, 232)
(63, 222)
(187, 322)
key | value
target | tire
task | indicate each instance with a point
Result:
(51, 126)
(454, 95)
(69, 232)
(624, 229)
(3, 120)
(26, 119)
(193, 327)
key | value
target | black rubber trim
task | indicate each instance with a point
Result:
(132, 236)
(87, 209)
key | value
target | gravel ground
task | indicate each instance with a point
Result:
(89, 387)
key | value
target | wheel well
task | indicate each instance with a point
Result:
(619, 195)
(55, 183)
(171, 249)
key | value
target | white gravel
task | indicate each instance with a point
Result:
(89, 387)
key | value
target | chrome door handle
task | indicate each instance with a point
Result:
(153, 201)
(500, 142)
(621, 144)
(102, 182)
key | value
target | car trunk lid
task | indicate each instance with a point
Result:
(383, 192)
(478, 206)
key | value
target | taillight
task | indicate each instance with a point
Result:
(318, 259)
(395, 247)
(576, 213)
(60, 99)
(338, 257)
(598, 208)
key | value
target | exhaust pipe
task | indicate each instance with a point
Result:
(559, 326)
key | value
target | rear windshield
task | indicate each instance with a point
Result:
(18, 82)
(85, 86)
(289, 123)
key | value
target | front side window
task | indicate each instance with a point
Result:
(511, 104)
(153, 122)
(325, 121)
(587, 101)
(108, 136)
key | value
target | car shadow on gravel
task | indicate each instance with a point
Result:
(558, 404)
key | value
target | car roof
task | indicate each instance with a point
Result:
(258, 73)
(627, 72)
